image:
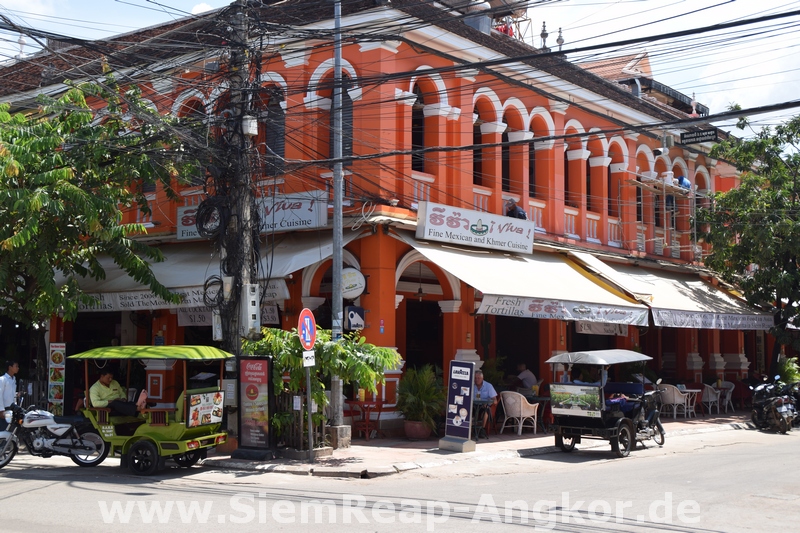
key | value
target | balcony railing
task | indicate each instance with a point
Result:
(614, 232)
(570, 222)
(592, 222)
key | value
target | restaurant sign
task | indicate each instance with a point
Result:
(669, 318)
(444, 223)
(561, 310)
(302, 210)
(459, 400)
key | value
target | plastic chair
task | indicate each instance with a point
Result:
(519, 410)
(711, 398)
(727, 395)
(673, 400)
(366, 424)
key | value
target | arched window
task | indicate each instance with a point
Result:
(271, 131)
(418, 131)
(531, 171)
(477, 153)
(505, 154)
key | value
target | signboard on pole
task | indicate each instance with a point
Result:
(307, 329)
(702, 136)
(458, 428)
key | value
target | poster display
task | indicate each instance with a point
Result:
(55, 386)
(205, 409)
(254, 378)
(576, 400)
(459, 400)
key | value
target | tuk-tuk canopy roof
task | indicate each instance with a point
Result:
(599, 357)
(194, 353)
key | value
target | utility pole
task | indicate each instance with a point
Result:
(336, 296)
(237, 240)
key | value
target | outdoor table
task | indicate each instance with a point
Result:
(480, 407)
(365, 423)
(691, 400)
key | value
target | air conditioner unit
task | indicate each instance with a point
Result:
(251, 310)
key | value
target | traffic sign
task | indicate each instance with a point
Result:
(309, 358)
(307, 329)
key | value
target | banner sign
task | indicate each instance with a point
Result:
(187, 223)
(444, 223)
(276, 290)
(143, 300)
(205, 409)
(194, 316)
(702, 136)
(600, 328)
(270, 315)
(459, 400)
(561, 310)
(669, 318)
(254, 376)
(55, 388)
(302, 210)
(575, 400)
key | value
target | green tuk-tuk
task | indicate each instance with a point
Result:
(181, 426)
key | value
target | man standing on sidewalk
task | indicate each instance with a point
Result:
(8, 390)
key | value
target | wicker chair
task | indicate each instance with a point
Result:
(710, 398)
(519, 410)
(727, 395)
(673, 400)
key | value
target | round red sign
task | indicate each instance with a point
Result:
(307, 329)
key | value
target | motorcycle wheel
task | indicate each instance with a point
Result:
(783, 426)
(623, 443)
(754, 419)
(143, 458)
(98, 456)
(660, 437)
(10, 452)
(187, 459)
(567, 444)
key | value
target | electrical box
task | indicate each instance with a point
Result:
(251, 310)
(216, 325)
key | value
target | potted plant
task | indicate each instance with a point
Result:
(420, 399)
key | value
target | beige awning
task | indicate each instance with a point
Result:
(538, 285)
(680, 300)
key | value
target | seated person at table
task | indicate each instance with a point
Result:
(595, 379)
(483, 391)
(106, 392)
(524, 378)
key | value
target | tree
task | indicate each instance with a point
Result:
(754, 229)
(65, 179)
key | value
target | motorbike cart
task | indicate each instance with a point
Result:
(178, 423)
(621, 413)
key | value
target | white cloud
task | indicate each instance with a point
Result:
(201, 8)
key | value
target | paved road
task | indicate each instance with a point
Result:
(723, 481)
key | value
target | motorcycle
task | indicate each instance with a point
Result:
(647, 417)
(45, 435)
(773, 406)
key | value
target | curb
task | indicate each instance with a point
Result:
(371, 472)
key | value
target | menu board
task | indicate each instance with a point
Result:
(575, 400)
(205, 408)
(459, 399)
(55, 371)
(254, 376)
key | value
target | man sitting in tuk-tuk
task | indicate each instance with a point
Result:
(107, 392)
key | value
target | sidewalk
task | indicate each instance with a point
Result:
(382, 457)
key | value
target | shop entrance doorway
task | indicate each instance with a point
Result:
(423, 333)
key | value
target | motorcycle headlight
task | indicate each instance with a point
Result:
(8, 416)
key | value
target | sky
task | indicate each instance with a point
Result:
(751, 65)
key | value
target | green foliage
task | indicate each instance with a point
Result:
(493, 371)
(65, 179)
(754, 229)
(421, 396)
(788, 370)
(352, 359)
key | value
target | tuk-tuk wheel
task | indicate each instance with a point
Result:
(567, 444)
(187, 459)
(624, 441)
(143, 458)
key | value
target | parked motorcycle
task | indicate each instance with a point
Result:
(45, 435)
(773, 406)
(647, 417)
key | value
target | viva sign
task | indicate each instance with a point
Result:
(302, 210)
(444, 223)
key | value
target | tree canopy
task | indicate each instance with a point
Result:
(67, 173)
(754, 229)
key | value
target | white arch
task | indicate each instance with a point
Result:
(648, 152)
(310, 271)
(215, 95)
(544, 113)
(516, 103)
(413, 257)
(485, 92)
(597, 132)
(575, 123)
(441, 87)
(184, 97)
(273, 77)
(702, 171)
(313, 101)
(679, 161)
(619, 141)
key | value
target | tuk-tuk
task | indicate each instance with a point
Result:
(600, 408)
(178, 423)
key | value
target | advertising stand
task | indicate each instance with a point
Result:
(256, 404)
(459, 409)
